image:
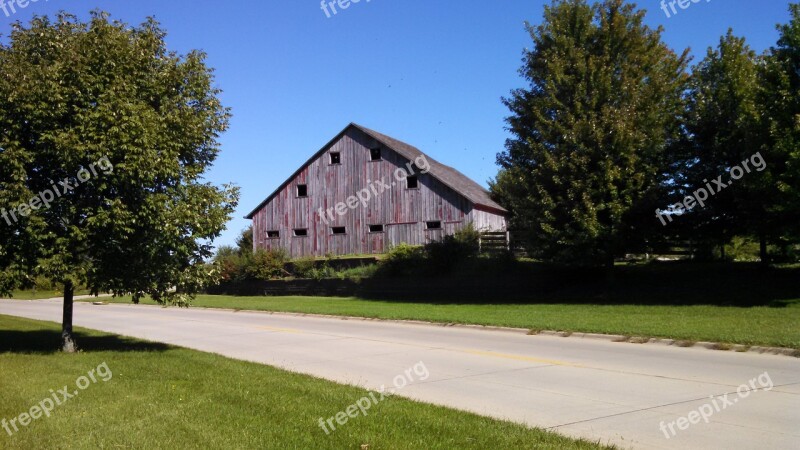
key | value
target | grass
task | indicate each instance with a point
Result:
(760, 325)
(161, 396)
(42, 294)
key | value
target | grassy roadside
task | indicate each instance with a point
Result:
(40, 295)
(161, 396)
(761, 325)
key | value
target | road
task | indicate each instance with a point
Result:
(615, 393)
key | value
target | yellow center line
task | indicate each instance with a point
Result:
(281, 330)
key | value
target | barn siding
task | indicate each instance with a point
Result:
(403, 212)
(486, 221)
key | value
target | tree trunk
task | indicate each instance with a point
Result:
(67, 340)
(763, 248)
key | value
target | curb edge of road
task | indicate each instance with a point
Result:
(738, 348)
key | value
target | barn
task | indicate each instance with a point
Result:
(364, 192)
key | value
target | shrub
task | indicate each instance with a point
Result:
(230, 264)
(403, 259)
(266, 265)
(304, 267)
(359, 272)
(453, 250)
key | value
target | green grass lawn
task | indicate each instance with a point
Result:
(762, 325)
(39, 295)
(160, 396)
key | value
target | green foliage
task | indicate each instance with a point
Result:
(309, 267)
(436, 258)
(305, 267)
(591, 130)
(75, 93)
(360, 272)
(445, 255)
(780, 99)
(230, 264)
(722, 131)
(266, 265)
(402, 259)
(244, 242)
(742, 249)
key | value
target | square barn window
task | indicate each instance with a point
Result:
(433, 225)
(339, 230)
(273, 234)
(336, 158)
(413, 183)
(376, 228)
(375, 154)
(302, 190)
(300, 232)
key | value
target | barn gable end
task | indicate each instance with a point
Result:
(299, 216)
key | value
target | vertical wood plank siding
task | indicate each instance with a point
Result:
(403, 212)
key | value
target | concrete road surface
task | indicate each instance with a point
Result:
(634, 396)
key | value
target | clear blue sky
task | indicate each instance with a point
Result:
(428, 72)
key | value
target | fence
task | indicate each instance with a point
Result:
(494, 242)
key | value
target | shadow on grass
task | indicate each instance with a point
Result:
(48, 342)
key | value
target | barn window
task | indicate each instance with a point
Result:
(300, 232)
(302, 190)
(336, 158)
(375, 154)
(273, 234)
(376, 228)
(433, 225)
(339, 230)
(413, 183)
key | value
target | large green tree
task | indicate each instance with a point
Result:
(591, 130)
(780, 98)
(105, 136)
(723, 130)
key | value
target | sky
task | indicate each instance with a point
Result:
(430, 73)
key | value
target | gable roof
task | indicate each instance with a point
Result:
(449, 176)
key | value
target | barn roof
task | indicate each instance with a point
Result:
(449, 176)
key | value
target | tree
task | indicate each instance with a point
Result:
(244, 243)
(591, 130)
(104, 139)
(780, 99)
(723, 130)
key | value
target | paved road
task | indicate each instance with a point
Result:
(608, 392)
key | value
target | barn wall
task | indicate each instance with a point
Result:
(403, 212)
(486, 221)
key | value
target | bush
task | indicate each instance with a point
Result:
(44, 284)
(304, 267)
(403, 259)
(443, 256)
(230, 264)
(266, 265)
(359, 272)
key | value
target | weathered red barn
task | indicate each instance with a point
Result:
(364, 192)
